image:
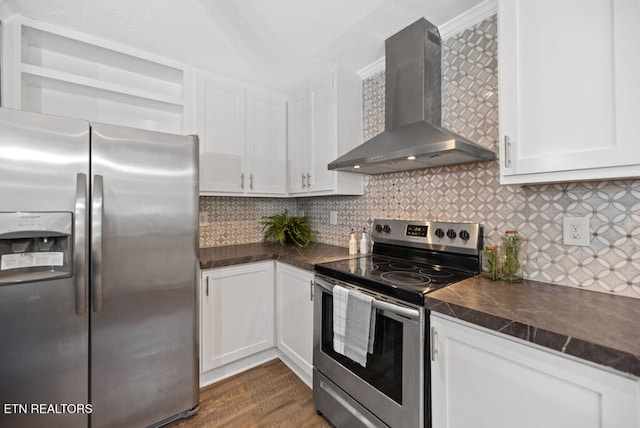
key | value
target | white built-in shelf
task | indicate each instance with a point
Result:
(55, 71)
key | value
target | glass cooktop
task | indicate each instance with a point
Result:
(408, 280)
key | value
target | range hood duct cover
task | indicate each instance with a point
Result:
(413, 112)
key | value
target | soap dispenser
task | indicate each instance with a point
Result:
(364, 242)
(353, 243)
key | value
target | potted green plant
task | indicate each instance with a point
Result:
(283, 229)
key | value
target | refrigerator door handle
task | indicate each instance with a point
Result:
(97, 213)
(80, 242)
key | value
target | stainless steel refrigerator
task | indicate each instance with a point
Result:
(98, 268)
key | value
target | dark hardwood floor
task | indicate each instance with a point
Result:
(269, 395)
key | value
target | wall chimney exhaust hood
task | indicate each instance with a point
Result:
(413, 136)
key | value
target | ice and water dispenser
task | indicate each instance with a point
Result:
(35, 246)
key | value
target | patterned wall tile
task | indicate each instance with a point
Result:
(469, 192)
(232, 221)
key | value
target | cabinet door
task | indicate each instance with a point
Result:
(294, 321)
(298, 142)
(323, 142)
(569, 93)
(480, 379)
(221, 127)
(266, 143)
(237, 313)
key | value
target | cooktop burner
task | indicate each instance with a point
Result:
(411, 259)
(405, 278)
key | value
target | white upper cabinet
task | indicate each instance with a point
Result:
(569, 91)
(325, 121)
(220, 114)
(243, 139)
(50, 70)
(298, 142)
(267, 143)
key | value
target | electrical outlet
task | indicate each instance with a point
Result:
(575, 231)
(202, 217)
(333, 217)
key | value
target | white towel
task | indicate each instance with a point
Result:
(358, 327)
(340, 295)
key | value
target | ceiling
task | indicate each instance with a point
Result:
(272, 43)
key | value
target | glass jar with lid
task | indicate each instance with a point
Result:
(490, 266)
(512, 256)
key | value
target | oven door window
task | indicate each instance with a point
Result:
(384, 366)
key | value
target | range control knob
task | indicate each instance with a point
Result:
(451, 234)
(386, 228)
(440, 233)
(464, 235)
(378, 228)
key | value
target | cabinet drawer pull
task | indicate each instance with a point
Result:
(206, 289)
(311, 290)
(507, 152)
(308, 180)
(242, 180)
(433, 344)
(303, 178)
(251, 181)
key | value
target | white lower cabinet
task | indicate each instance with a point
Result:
(244, 308)
(294, 320)
(237, 313)
(485, 379)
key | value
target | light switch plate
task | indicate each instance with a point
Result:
(575, 231)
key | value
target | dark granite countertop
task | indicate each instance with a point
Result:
(304, 258)
(598, 327)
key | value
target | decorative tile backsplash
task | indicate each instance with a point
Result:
(231, 220)
(469, 192)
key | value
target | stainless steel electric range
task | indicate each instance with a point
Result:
(410, 259)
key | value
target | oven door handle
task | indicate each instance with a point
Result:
(402, 311)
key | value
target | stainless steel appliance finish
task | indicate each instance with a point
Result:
(456, 238)
(144, 256)
(339, 390)
(413, 136)
(43, 337)
(120, 332)
(410, 259)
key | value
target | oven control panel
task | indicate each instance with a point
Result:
(463, 238)
(417, 230)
